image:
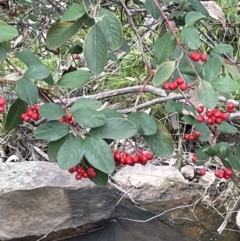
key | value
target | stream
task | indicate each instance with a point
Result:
(178, 225)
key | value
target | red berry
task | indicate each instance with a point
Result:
(135, 159)
(123, 160)
(203, 57)
(195, 56)
(35, 116)
(200, 118)
(129, 161)
(210, 121)
(72, 122)
(179, 80)
(221, 174)
(202, 172)
(172, 86)
(218, 120)
(79, 169)
(71, 170)
(230, 110)
(200, 109)
(228, 172)
(69, 116)
(78, 176)
(166, 86)
(183, 86)
(117, 155)
(209, 113)
(36, 107)
(2, 101)
(187, 137)
(91, 172)
(29, 112)
(224, 116)
(217, 173)
(76, 56)
(217, 114)
(230, 105)
(227, 176)
(197, 133)
(194, 158)
(85, 174)
(149, 156)
(143, 160)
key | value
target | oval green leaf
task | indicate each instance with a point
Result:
(51, 131)
(227, 128)
(14, 114)
(205, 132)
(70, 153)
(163, 73)
(37, 72)
(223, 49)
(152, 8)
(60, 32)
(191, 37)
(212, 68)
(111, 28)
(74, 12)
(146, 125)
(115, 128)
(51, 111)
(75, 79)
(164, 47)
(28, 58)
(110, 113)
(89, 117)
(193, 17)
(3, 52)
(85, 102)
(99, 154)
(7, 32)
(207, 95)
(225, 85)
(160, 143)
(95, 50)
(27, 91)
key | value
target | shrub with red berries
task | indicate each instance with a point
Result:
(178, 83)
(67, 119)
(83, 172)
(195, 56)
(32, 113)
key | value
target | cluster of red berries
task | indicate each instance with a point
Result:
(31, 113)
(195, 56)
(214, 116)
(67, 119)
(126, 159)
(2, 104)
(224, 173)
(192, 137)
(81, 172)
(178, 83)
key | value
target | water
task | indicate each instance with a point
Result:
(179, 225)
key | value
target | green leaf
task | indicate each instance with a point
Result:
(207, 95)
(173, 106)
(211, 151)
(54, 146)
(205, 132)
(152, 8)
(70, 153)
(89, 117)
(160, 143)
(75, 79)
(212, 68)
(74, 12)
(111, 27)
(99, 154)
(7, 32)
(115, 128)
(37, 72)
(101, 179)
(27, 91)
(163, 73)
(85, 102)
(189, 119)
(193, 17)
(60, 32)
(191, 37)
(237, 151)
(190, 109)
(14, 114)
(164, 47)
(234, 161)
(95, 50)
(233, 70)
(199, 7)
(225, 85)
(125, 47)
(3, 52)
(110, 113)
(223, 49)
(51, 131)
(51, 111)
(202, 155)
(146, 125)
(28, 58)
(227, 128)
(224, 148)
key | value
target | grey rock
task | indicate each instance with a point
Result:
(156, 187)
(238, 219)
(188, 172)
(39, 199)
(207, 180)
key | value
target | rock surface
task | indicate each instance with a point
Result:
(207, 180)
(156, 187)
(188, 172)
(39, 199)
